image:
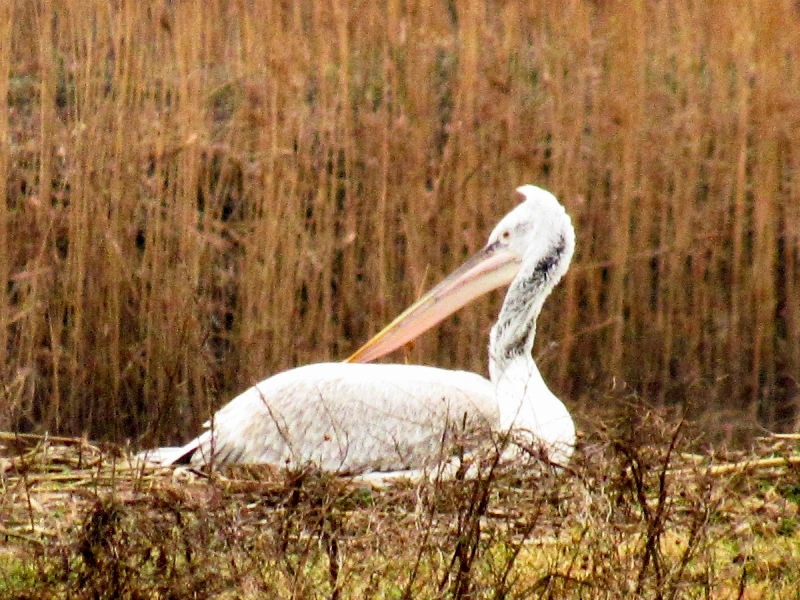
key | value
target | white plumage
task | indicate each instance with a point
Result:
(353, 418)
(361, 418)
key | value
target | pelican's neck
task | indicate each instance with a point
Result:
(512, 336)
(519, 385)
(524, 400)
(512, 347)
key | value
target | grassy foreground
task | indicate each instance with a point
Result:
(637, 514)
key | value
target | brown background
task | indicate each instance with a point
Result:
(200, 194)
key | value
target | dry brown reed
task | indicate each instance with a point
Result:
(201, 194)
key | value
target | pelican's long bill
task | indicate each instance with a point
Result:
(489, 269)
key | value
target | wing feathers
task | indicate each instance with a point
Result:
(347, 418)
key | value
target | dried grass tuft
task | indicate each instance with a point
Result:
(651, 513)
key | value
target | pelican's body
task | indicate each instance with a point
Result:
(353, 418)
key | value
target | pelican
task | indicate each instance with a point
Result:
(357, 419)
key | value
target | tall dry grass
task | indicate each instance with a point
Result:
(202, 194)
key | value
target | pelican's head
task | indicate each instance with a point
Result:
(536, 237)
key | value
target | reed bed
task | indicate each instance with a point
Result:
(199, 195)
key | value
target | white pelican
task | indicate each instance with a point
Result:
(356, 419)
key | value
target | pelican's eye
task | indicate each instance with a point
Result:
(506, 235)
